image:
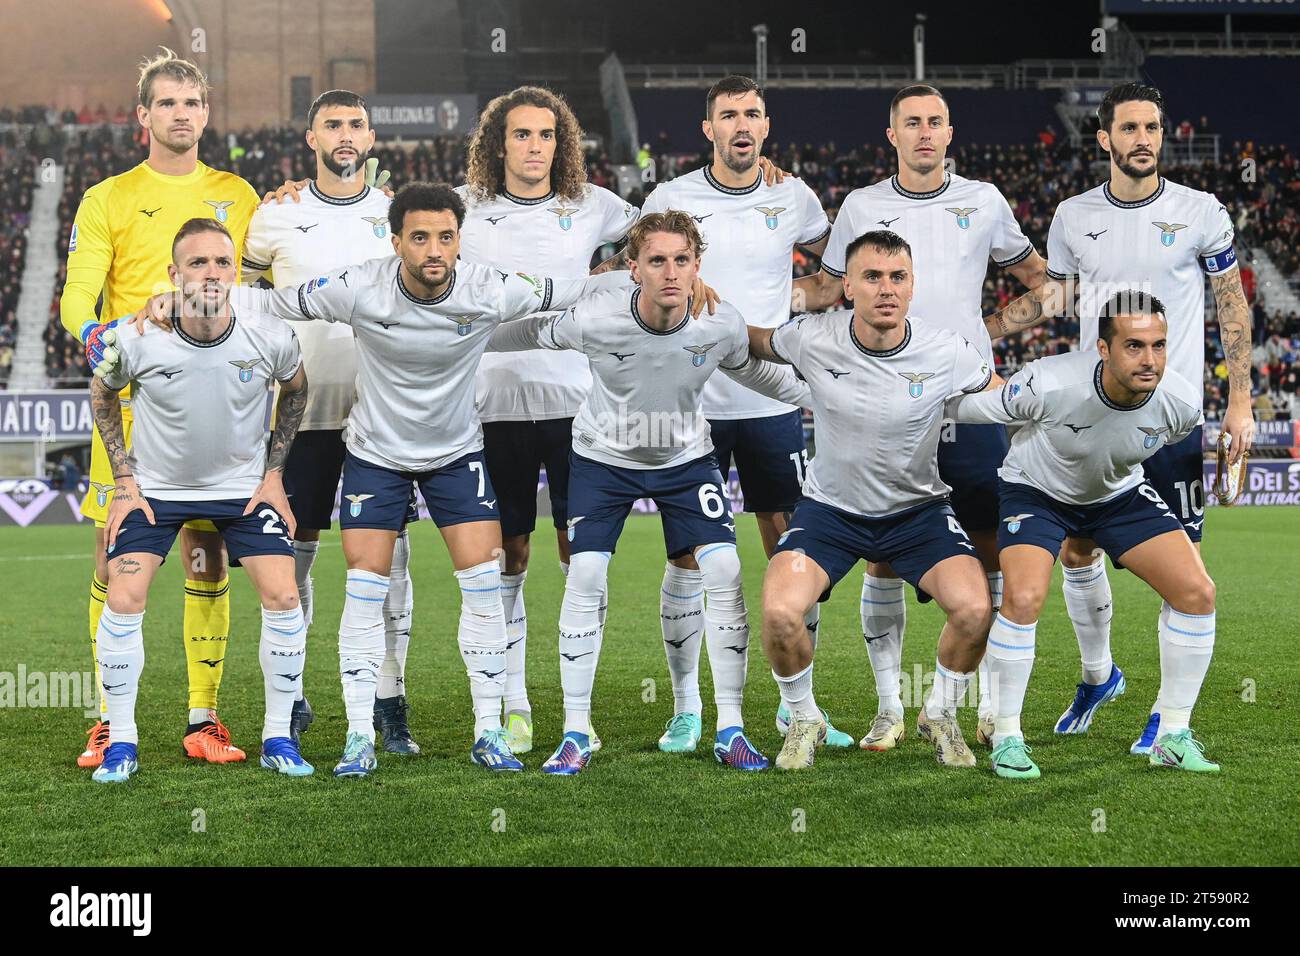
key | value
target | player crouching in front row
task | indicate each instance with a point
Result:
(199, 451)
(1075, 469)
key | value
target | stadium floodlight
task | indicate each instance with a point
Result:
(760, 54)
(918, 44)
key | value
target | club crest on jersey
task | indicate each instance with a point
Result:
(378, 225)
(916, 382)
(246, 368)
(354, 509)
(770, 212)
(1152, 436)
(566, 216)
(1168, 231)
(1013, 523)
(219, 208)
(465, 323)
(101, 493)
(963, 215)
(698, 352)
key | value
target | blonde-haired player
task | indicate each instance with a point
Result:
(120, 248)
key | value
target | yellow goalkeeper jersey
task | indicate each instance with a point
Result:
(121, 243)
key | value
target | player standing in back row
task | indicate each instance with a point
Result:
(1140, 231)
(751, 227)
(954, 227)
(528, 207)
(336, 220)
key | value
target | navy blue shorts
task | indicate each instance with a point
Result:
(912, 541)
(691, 498)
(515, 453)
(246, 536)
(379, 497)
(770, 457)
(969, 465)
(1031, 517)
(311, 476)
(1175, 472)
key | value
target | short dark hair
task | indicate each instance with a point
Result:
(1125, 93)
(194, 226)
(336, 98)
(734, 85)
(424, 197)
(882, 240)
(1126, 302)
(916, 89)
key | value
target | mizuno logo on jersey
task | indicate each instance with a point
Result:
(888, 222)
(702, 218)
(1168, 231)
(306, 229)
(698, 352)
(1076, 428)
(836, 374)
(387, 325)
(357, 501)
(622, 355)
(770, 212)
(150, 212)
(963, 215)
(170, 375)
(378, 225)
(1152, 436)
(1013, 523)
(566, 216)
(246, 368)
(916, 380)
(1095, 235)
(219, 208)
(494, 220)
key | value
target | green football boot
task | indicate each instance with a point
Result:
(1181, 751)
(1011, 760)
(682, 734)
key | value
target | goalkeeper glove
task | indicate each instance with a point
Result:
(101, 355)
(373, 176)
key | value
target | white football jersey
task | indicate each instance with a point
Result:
(954, 231)
(750, 234)
(200, 407)
(1077, 446)
(644, 410)
(878, 414)
(550, 236)
(416, 357)
(1162, 245)
(297, 241)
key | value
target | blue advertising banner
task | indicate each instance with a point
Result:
(1272, 482)
(48, 416)
(1272, 434)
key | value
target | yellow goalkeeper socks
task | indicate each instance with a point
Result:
(98, 594)
(207, 629)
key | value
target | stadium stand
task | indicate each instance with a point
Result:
(17, 182)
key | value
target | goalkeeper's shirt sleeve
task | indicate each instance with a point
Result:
(90, 255)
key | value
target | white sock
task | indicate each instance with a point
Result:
(584, 588)
(512, 605)
(304, 556)
(283, 654)
(884, 616)
(948, 690)
(681, 618)
(797, 695)
(1186, 646)
(982, 672)
(398, 606)
(727, 629)
(482, 640)
(120, 645)
(1088, 601)
(361, 647)
(199, 715)
(1010, 657)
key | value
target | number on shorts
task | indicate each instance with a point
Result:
(1146, 491)
(711, 502)
(272, 525)
(800, 459)
(955, 527)
(477, 468)
(1190, 496)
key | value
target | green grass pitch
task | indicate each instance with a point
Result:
(1095, 804)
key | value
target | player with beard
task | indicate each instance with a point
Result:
(337, 220)
(752, 226)
(1140, 231)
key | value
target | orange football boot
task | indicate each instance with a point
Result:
(97, 743)
(211, 742)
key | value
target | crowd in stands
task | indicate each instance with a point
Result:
(17, 182)
(1260, 185)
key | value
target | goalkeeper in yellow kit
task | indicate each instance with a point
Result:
(120, 247)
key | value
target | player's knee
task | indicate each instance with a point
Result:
(971, 618)
(279, 599)
(122, 601)
(1077, 554)
(1022, 600)
(516, 549)
(783, 623)
(1198, 597)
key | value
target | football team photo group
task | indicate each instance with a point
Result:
(394, 391)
